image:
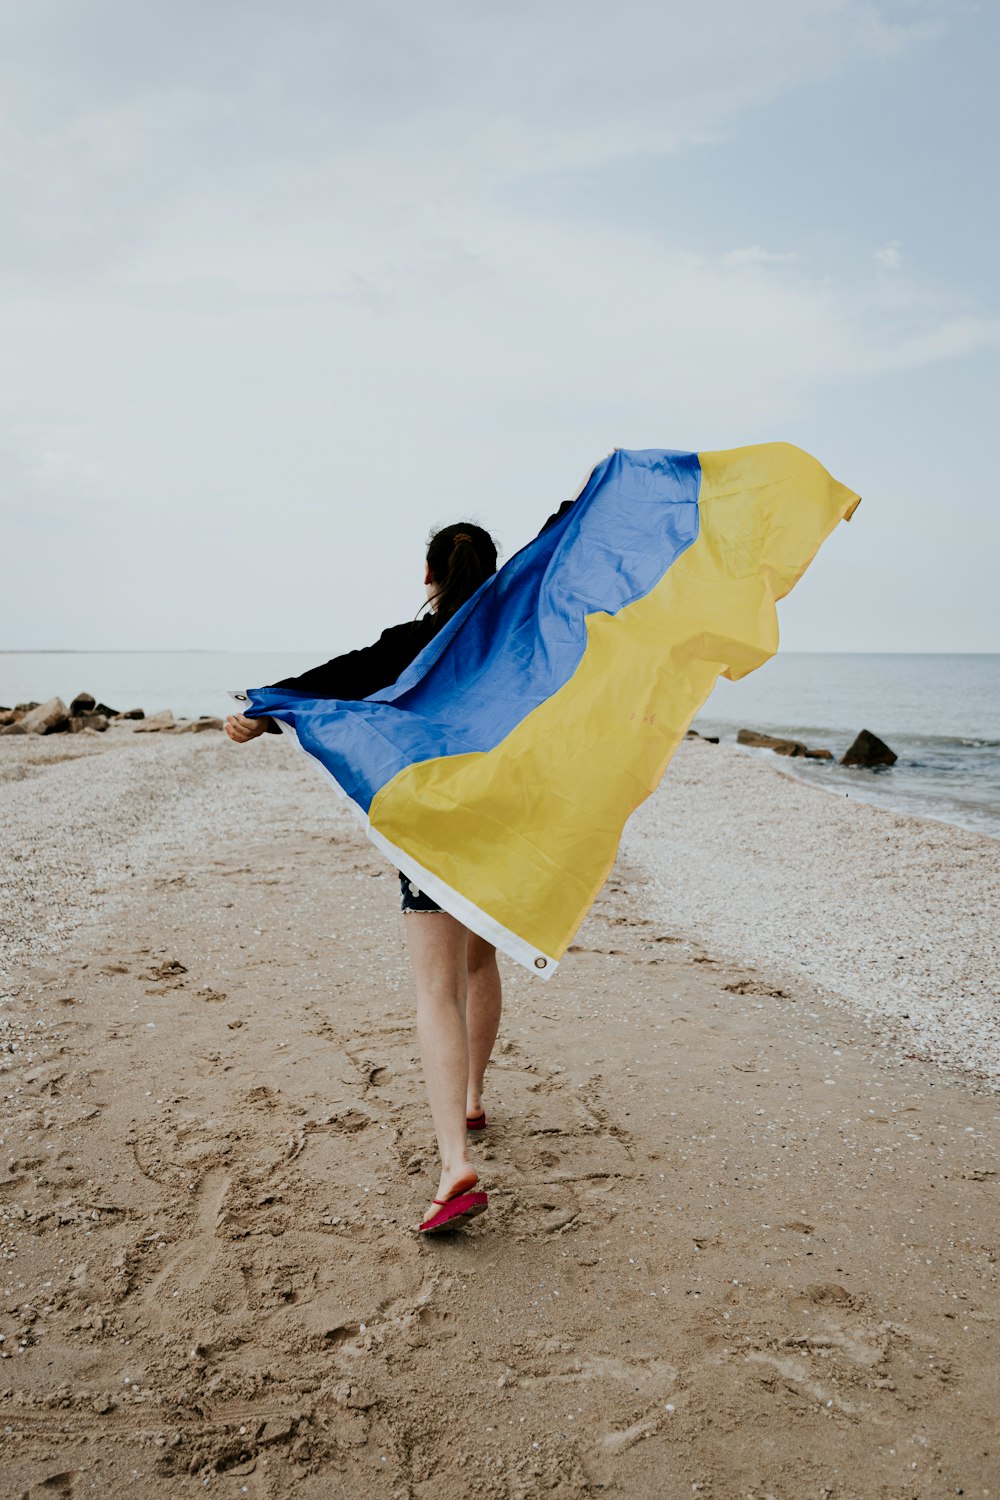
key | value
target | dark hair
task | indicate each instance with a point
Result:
(460, 558)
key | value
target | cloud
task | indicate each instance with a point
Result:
(756, 255)
(298, 373)
(276, 276)
(123, 121)
(945, 339)
(889, 256)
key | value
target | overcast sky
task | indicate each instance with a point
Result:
(284, 286)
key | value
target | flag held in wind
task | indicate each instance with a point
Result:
(498, 772)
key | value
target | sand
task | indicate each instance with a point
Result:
(898, 916)
(741, 1242)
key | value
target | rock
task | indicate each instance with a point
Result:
(163, 720)
(80, 722)
(14, 728)
(558, 1219)
(819, 755)
(868, 750)
(24, 708)
(710, 739)
(276, 1430)
(770, 742)
(692, 734)
(171, 968)
(46, 718)
(130, 713)
(102, 708)
(195, 726)
(7, 716)
(83, 703)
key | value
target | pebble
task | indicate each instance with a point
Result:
(894, 915)
(82, 819)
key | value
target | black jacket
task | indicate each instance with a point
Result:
(358, 674)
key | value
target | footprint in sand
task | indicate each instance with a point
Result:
(556, 1157)
(191, 1263)
(371, 1074)
(648, 1376)
(625, 1419)
(840, 1356)
(61, 1486)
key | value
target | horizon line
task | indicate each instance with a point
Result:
(306, 650)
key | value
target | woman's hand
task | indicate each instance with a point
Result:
(241, 729)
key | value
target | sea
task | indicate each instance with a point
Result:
(940, 713)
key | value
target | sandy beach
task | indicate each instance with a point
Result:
(741, 1158)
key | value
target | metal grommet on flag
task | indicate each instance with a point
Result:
(541, 963)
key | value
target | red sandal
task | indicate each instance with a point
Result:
(455, 1212)
(476, 1122)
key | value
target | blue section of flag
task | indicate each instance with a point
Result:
(519, 639)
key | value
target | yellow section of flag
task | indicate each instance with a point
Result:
(527, 832)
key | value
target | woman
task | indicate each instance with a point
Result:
(455, 972)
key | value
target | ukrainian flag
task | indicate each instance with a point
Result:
(499, 771)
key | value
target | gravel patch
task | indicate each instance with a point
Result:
(898, 916)
(83, 816)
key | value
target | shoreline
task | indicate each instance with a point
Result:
(940, 778)
(831, 791)
(940, 712)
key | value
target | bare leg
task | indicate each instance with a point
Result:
(437, 944)
(483, 1015)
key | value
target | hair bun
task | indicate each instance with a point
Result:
(462, 536)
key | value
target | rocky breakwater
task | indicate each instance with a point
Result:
(779, 745)
(86, 716)
(866, 750)
(165, 723)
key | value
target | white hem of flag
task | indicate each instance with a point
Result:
(542, 965)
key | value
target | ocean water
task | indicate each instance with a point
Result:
(940, 713)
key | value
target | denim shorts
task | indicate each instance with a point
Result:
(412, 898)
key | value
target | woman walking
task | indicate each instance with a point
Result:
(501, 769)
(455, 971)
